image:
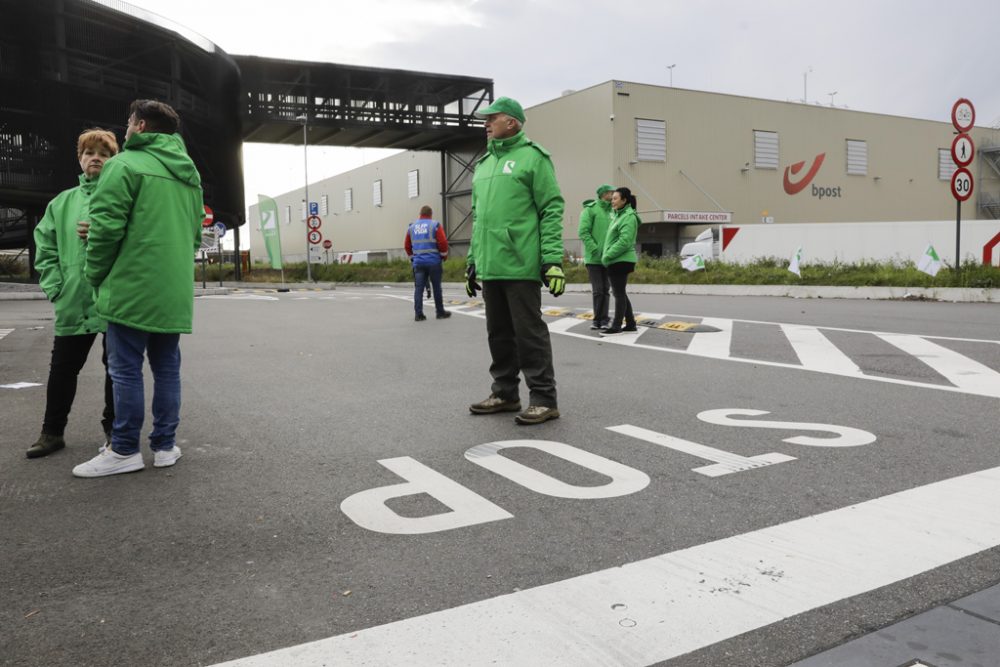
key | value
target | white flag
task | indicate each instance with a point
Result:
(694, 263)
(793, 266)
(930, 263)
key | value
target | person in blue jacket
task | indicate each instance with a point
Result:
(427, 247)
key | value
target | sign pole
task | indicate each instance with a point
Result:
(220, 261)
(305, 159)
(958, 237)
(203, 260)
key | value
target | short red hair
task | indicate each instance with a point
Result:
(96, 137)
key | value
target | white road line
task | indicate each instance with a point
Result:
(240, 297)
(815, 351)
(958, 369)
(564, 324)
(669, 605)
(4, 332)
(715, 343)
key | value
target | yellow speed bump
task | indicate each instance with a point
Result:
(589, 315)
(676, 326)
(556, 312)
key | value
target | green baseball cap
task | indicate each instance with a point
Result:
(505, 105)
(604, 188)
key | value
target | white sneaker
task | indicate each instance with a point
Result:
(166, 457)
(108, 463)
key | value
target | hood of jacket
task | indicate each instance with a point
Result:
(169, 150)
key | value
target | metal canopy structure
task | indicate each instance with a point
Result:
(68, 65)
(363, 107)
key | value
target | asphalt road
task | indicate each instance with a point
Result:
(291, 401)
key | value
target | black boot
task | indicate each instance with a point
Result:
(45, 445)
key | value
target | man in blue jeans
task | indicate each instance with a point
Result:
(427, 247)
(145, 226)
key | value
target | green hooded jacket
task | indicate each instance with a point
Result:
(517, 211)
(594, 221)
(619, 246)
(145, 226)
(59, 259)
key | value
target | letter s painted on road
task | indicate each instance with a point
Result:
(846, 436)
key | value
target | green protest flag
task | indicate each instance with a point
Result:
(269, 228)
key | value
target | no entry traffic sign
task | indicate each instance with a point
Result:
(315, 236)
(327, 244)
(209, 217)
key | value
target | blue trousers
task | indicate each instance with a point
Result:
(422, 274)
(126, 349)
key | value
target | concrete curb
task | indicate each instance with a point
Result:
(944, 294)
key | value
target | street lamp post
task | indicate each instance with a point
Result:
(305, 168)
(831, 97)
(671, 70)
(805, 83)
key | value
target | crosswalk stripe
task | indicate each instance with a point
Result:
(816, 352)
(715, 343)
(4, 332)
(563, 324)
(655, 609)
(958, 369)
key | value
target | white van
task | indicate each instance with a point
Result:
(705, 244)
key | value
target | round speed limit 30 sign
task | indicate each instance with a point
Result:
(961, 184)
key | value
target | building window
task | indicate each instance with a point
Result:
(857, 157)
(377, 192)
(288, 215)
(302, 210)
(765, 149)
(324, 205)
(946, 166)
(650, 140)
(349, 199)
(413, 183)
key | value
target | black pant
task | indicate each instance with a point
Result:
(519, 340)
(599, 288)
(623, 307)
(69, 354)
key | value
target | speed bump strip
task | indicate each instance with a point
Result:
(556, 312)
(676, 326)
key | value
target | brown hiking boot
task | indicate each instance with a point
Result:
(45, 445)
(494, 404)
(536, 414)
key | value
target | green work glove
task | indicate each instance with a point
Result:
(554, 279)
(471, 286)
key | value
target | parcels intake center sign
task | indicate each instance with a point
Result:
(720, 217)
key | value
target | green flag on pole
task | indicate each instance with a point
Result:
(269, 228)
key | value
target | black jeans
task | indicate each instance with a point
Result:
(519, 340)
(69, 354)
(599, 288)
(623, 307)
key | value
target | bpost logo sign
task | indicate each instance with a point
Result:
(793, 188)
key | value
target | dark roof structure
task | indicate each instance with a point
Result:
(69, 65)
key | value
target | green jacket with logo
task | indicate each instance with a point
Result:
(594, 221)
(145, 226)
(59, 259)
(619, 245)
(517, 211)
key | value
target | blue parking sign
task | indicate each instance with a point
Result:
(313, 208)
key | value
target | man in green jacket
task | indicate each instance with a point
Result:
(59, 254)
(517, 213)
(594, 221)
(145, 226)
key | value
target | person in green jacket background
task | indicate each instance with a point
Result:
(59, 255)
(145, 226)
(516, 245)
(620, 258)
(594, 221)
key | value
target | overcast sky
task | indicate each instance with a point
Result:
(902, 57)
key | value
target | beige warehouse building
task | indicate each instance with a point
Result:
(692, 158)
